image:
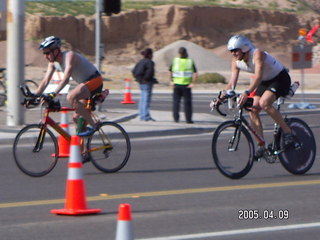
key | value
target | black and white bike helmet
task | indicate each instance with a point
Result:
(240, 42)
(51, 42)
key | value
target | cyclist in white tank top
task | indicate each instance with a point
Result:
(271, 81)
(80, 69)
(271, 67)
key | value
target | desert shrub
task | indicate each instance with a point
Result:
(211, 78)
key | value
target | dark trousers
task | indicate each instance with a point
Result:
(179, 92)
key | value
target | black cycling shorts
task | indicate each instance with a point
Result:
(280, 85)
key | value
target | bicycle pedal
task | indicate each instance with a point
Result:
(257, 159)
(86, 159)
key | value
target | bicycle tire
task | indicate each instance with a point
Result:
(32, 85)
(109, 160)
(235, 163)
(3, 94)
(35, 163)
(298, 161)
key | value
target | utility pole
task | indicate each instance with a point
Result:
(99, 46)
(15, 60)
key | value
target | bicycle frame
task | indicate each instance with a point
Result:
(239, 119)
(273, 149)
(47, 120)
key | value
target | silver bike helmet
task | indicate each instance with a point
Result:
(51, 42)
(240, 42)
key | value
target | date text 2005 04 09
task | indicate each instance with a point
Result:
(255, 214)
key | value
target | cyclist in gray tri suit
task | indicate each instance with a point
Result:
(81, 70)
(271, 81)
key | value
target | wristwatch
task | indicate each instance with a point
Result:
(247, 92)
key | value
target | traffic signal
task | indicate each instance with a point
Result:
(111, 6)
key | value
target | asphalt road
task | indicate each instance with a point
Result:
(163, 101)
(174, 190)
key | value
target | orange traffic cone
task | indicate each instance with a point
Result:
(127, 95)
(64, 145)
(75, 191)
(124, 227)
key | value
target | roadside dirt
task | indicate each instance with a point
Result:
(126, 34)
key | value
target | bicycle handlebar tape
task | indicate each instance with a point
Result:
(124, 226)
(64, 144)
(127, 95)
(75, 203)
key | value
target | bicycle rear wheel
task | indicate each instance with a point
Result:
(109, 147)
(300, 160)
(35, 154)
(3, 94)
(32, 85)
(232, 150)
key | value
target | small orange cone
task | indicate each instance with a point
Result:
(64, 146)
(127, 95)
(124, 227)
(75, 191)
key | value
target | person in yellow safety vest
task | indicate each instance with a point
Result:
(183, 74)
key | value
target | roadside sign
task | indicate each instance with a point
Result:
(301, 56)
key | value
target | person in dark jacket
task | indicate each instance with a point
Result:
(144, 75)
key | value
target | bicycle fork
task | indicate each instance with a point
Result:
(40, 140)
(234, 141)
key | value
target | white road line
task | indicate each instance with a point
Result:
(237, 232)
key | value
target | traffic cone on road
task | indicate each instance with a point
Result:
(124, 227)
(64, 145)
(75, 190)
(127, 95)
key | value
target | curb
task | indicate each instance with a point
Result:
(170, 132)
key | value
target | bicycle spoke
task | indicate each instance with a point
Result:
(109, 147)
(35, 151)
(232, 150)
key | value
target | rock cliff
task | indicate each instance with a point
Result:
(209, 27)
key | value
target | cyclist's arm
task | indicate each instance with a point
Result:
(258, 58)
(234, 76)
(71, 60)
(46, 80)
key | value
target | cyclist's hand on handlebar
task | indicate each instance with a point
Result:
(49, 96)
(214, 102)
(242, 99)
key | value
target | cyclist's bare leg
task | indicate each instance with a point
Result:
(255, 117)
(76, 115)
(266, 101)
(74, 98)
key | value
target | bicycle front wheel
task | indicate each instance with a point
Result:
(298, 160)
(232, 150)
(35, 150)
(109, 147)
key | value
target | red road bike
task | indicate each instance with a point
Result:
(36, 148)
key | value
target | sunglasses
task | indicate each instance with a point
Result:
(47, 53)
(235, 50)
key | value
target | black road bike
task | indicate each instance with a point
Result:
(233, 147)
